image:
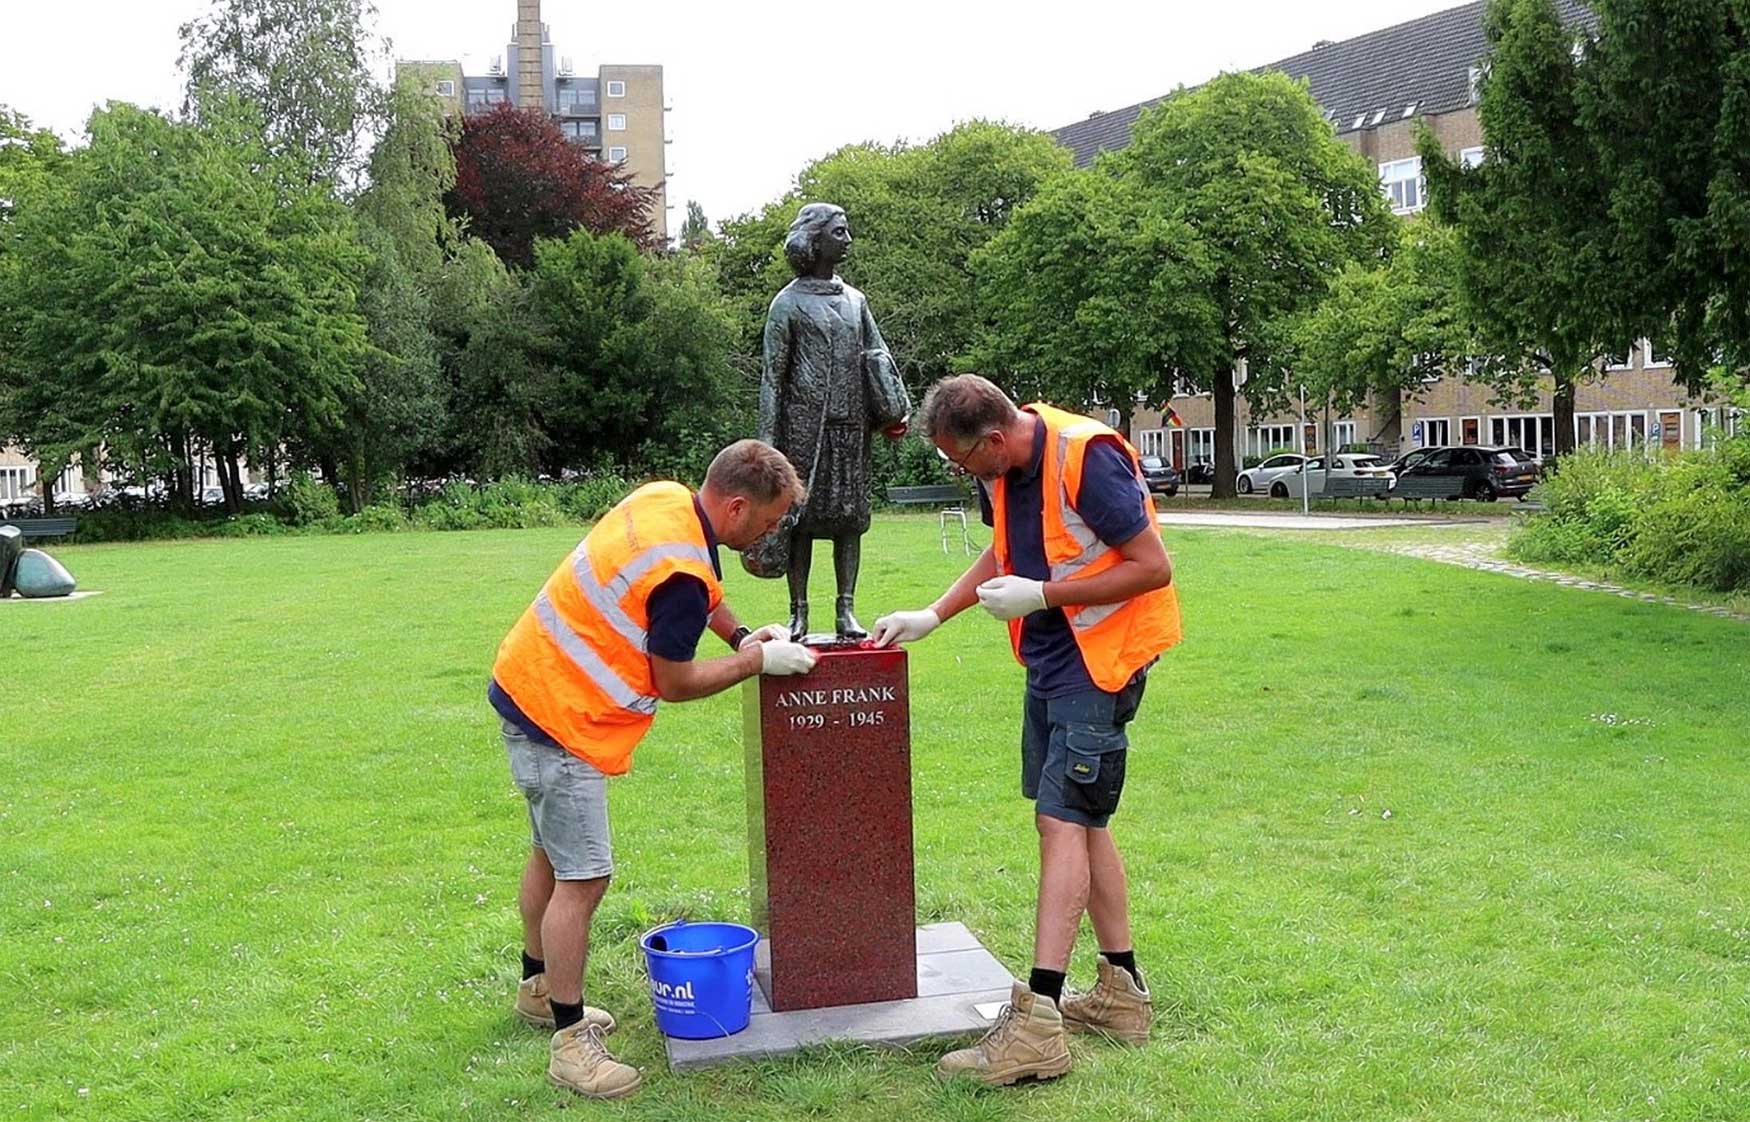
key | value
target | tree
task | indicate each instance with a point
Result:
(31, 165)
(598, 354)
(1093, 293)
(178, 293)
(518, 179)
(307, 65)
(1539, 274)
(696, 230)
(918, 215)
(1384, 329)
(1278, 205)
(1673, 156)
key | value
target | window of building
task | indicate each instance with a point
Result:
(16, 483)
(1613, 431)
(1344, 434)
(1620, 360)
(71, 481)
(1718, 422)
(576, 99)
(616, 155)
(476, 100)
(1261, 440)
(1471, 157)
(616, 122)
(1401, 180)
(578, 130)
(1309, 438)
(1431, 432)
(447, 87)
(1531, 432)
(1201, 445)
(1152, 442)
(616, 89)
(1653, 360)
(1470, 430)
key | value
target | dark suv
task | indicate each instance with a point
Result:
(1160, 476)
(1486, 473)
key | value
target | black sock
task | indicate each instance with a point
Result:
(1127, 960)
(1046, 983)
(532, 966)
(564, 1016)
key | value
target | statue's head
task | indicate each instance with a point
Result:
(820, 235)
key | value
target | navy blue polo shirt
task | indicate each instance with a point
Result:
(680, 610)
(1114, 505)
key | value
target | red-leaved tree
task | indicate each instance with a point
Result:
(518, 178)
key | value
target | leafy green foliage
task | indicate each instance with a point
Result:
(918, 214)
(308, 66)
(1682, 520)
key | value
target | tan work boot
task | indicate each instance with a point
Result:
(1118, 1007)
(1028, 1041)
(582, 1063)
(535, 1005)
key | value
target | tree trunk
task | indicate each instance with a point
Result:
(1226, 461)
(182, 496)
(230, 479)
(48, 489)
(1562, 415)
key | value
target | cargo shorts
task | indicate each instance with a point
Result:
(568, 806)
(1074, 750)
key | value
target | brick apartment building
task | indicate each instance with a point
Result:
(618, 113)
(1376, 89)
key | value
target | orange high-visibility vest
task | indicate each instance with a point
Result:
(577, 663)
(1116, 640)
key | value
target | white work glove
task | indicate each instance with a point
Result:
(905, 627)
(1012, 597)
(782, 657)
(770, 633)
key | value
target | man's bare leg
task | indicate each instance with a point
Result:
(537, 889)
(565, 935)
(1108, 892)
(1063, 891)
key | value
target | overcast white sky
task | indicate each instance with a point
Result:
(758, 88)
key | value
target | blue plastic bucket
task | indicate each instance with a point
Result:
(701, 978)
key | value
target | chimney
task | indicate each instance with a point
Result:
(527, 83)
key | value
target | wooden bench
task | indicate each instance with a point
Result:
(1434, 488)
(42, 527)
(951, 497)
(1356, 487)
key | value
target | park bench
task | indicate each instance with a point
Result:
(42, 527)
(1356, 487)
(1433, 488)
(951, 497)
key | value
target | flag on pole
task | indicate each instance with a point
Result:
(1172, 419)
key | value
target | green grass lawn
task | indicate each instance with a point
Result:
(1406, 842)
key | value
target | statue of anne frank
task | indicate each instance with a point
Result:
(829, 384)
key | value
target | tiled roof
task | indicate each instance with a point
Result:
(1423, 66)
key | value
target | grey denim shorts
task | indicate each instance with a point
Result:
(568, 806)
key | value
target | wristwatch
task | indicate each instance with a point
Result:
(739, 636)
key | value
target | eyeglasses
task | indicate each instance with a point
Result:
(960, 462)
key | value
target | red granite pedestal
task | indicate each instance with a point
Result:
(829, 831)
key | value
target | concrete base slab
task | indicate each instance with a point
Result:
(961, 986)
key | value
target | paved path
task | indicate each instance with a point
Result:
(1263, 521)
(1481, 556)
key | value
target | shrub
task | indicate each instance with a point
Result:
(590, 498)
(309, 501)
(1681, 519)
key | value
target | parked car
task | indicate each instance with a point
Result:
(1351, 465)
(1160, 476)
(1410, 459)
(1259, 478)
(1202, 471)
(1487, 473)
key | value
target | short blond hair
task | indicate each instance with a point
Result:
(964, 407)
(754, 470)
